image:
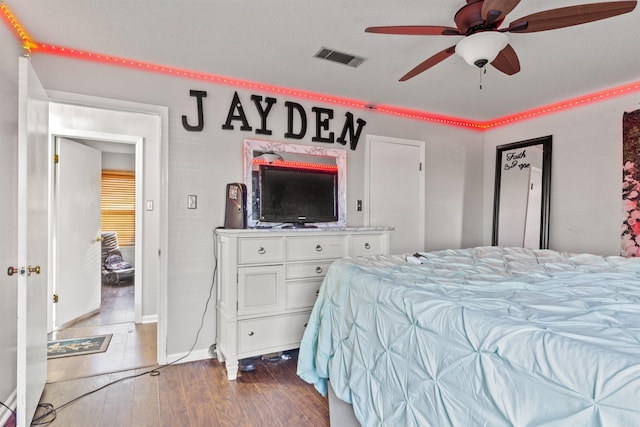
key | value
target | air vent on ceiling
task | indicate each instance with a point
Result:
(340, 57)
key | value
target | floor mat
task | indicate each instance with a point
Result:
(78, 346)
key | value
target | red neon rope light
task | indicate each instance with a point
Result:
(213, 78)
(297, 165)
(247, 84)
(16, 27)
(31, 46)
(565, 105)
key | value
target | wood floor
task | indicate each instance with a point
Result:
(132, 345)
(194, 394)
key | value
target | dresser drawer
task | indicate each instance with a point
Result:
(261, 289)
(316, 247)
(271, 332)
(367, 244)
(302, 293)
(263, 250)
(308, 269)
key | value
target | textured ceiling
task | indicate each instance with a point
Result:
(274, 41)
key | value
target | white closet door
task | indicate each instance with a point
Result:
(395, 189)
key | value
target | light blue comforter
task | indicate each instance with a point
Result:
(480, 337)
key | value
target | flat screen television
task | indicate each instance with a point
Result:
(297, 196)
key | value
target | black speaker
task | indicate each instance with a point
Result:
(235, 213)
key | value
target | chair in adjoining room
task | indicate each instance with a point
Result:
(115, 270)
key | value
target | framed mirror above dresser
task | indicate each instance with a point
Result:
(259, 153)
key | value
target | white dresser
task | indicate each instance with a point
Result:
(268, 280)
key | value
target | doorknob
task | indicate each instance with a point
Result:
(14, 270)
(35, 269)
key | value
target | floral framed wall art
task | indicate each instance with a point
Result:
(630, 243)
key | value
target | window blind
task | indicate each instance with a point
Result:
(118, 205)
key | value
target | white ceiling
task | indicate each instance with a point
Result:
(273, 42)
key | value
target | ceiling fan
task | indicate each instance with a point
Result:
(485, 42)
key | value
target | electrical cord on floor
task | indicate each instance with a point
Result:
(15, 417)
(51, 412)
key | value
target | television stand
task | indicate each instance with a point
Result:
(298, 225)
(268, 282)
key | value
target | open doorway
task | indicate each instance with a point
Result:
(85, 304)
(94, 221)
(137, 134)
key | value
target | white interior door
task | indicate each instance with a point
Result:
(394, 190)
(33, 129)
(77, 246)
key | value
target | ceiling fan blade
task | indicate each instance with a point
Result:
(415, 30)
(569, 16)
(495, 10)
(507, 61)
(429, 62)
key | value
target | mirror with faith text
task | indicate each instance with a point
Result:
(522, 194)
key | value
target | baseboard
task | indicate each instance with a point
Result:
(6, 417)
(73, 322)
(194, 356)
(152, 318)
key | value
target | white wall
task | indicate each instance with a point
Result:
(118, 161)
(454, 189)
(9, 53)
(202, 163)
(586, 173)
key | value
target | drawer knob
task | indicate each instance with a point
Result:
(251, 333)
(318, 248)
(319, 270)
(262, 250)
(367, 246)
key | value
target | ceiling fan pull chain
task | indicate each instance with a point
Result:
(483, 70)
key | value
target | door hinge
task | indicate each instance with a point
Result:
(55, 298)
(56, 158)
(420, 166)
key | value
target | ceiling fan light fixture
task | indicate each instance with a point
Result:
(479, 49)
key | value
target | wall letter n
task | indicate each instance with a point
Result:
(353, 135)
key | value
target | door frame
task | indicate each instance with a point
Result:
(372, 139)
(139, 174)
(161, 204)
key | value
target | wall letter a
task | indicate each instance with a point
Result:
(236, 105)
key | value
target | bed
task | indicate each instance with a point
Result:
(484, 336)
